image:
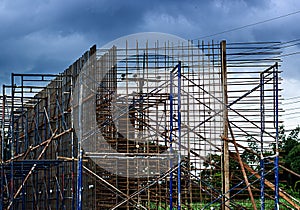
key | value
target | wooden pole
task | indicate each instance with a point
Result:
(225, 156)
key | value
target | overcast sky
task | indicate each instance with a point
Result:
(48, 35)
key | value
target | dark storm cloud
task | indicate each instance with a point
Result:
(47, 36)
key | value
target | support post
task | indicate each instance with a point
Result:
(171, 149)
(2, 147)
(225, 156)
(276, 161)
(79, 181)
(262, 130)
(12, 129)
(79, 165)
(179, 136)
(73, 148)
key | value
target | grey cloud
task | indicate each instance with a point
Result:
(49, 35)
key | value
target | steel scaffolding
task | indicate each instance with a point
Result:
(148, 125)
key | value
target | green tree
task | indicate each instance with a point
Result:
(289, 146)
(286, 143)
(293, 159)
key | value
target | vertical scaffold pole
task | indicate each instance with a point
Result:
(262, 129)
(79, 155)
(171, 149)
(225, 172)
(12, 141)
(276, 162)
(79, 181)
(2, 147)
(73, 148)
(179, 136)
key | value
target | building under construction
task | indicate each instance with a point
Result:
(149, 121)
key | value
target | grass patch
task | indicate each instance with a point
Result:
(269, 204)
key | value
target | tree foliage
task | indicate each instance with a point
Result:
(290, 148)
(293, 158)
